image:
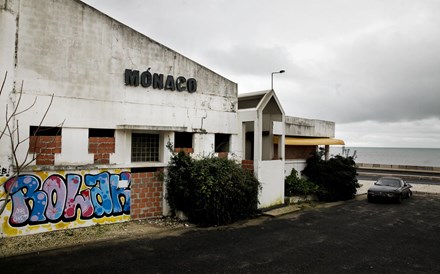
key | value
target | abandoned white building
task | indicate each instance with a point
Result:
(118, 99)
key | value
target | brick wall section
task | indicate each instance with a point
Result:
(101, 147)
(248, 164)
(223, 154)
(146, 194)
(45, 148)
(186, 150)
(296, 152)
(299, 152)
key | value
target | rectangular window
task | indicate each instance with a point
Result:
(144, 147)
(183, 140)
(44, 131)
(101, 132)
(222, 142)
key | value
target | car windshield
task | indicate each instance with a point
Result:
(389, 182)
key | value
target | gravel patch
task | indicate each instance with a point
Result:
(19, 245)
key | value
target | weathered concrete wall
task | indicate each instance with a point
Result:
(271, 176)
(298, 165)
(296, 126)
(8, 23)
(71, 50)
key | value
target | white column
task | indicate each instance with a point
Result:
(327, 152)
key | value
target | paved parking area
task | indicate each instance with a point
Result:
(348, 237)
(433, 187)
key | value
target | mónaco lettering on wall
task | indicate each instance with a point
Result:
(157, 81)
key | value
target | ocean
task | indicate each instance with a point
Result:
(393, 156)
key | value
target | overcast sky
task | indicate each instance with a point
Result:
(371, 66)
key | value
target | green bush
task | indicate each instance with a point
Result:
(336, 177)
(294, 185)
(211, 191)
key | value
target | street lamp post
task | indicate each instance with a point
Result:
(271, 82)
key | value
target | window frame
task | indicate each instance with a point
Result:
(157, 158)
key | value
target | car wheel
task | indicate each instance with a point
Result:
(409, 194)
(399, 199)
(370, 199)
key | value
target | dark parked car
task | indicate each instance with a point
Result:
(389, 188)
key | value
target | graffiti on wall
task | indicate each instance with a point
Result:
(4, 171)
(67, 198)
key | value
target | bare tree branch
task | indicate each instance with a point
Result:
(4, 81)
(15, 110)
(11, 129)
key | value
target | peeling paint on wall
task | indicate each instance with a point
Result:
(43, 201)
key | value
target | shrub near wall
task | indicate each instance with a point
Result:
(211, 191)
(294, 185)
(336, 177)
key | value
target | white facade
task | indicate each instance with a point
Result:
(262, 118)
(80, 55)
(110, 85)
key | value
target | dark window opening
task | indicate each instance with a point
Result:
(44, 131)
(183, 140)
(101, 132)
(222, 142)
(144, 147)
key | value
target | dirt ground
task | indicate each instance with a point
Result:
(63, 238)
(156, 227)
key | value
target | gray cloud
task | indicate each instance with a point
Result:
(397, 79)
(250, 60)
(346, 61)
(388, 75)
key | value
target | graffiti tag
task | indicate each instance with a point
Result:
(4, 172)
(58, 198)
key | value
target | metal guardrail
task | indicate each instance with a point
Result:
(405, 172)
(400, 167)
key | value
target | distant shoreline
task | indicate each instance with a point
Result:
(397, 167)
(423, 157)
(347, 147)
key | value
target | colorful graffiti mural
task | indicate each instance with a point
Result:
(41, 200)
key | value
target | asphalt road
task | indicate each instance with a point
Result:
(351, 237)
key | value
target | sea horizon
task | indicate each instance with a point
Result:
(393, 155)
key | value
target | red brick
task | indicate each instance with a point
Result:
(223, 155)
(135, 175)
(93, 148)
(45, 161)
(46, 150)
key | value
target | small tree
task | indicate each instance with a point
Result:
(11, 130)
(335, 177)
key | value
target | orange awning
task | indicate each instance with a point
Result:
(301, 141)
